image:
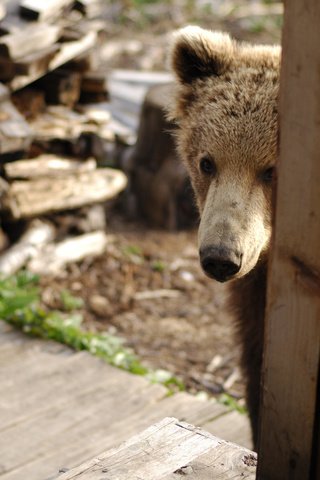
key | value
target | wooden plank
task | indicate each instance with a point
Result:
(72, 427)
(166, 450)
(58, 408)
(291, 364)
(34, 197)
(52, 383)
(232, 427)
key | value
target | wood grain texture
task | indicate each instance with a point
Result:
(59, 408)
(37, 196)
(166, 451)
(293, 313)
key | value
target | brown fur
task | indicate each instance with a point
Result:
(225, 106)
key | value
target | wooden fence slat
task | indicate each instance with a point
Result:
(293, 308)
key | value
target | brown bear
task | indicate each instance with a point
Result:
(225, 107)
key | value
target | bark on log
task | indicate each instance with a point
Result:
(43, 195)
(15, 133)
(38, 234)
(47, 166)
(53, 258)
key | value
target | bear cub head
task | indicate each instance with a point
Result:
(225, 106)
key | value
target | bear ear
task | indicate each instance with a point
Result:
(200, 53)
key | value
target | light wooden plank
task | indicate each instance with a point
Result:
(291, 363)
(85, 413)
(36, 387)
(232, 427)
(166, 450)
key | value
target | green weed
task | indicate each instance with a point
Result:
(20, 306)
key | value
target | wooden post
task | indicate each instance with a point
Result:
(290, 413)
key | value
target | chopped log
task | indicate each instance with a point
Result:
(15, 133)
(61, 87)
(84, 220)
(47, 166)
(37, 235)
(28, 41)
(64, 52)
(40, 10)
(94, 87)
(53, 258)
(158, 179)
(29, 101)
(7, 70)
(38, 196)
(35, 64)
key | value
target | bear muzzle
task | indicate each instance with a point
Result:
(220, 263)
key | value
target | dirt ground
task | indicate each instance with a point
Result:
(149, 289)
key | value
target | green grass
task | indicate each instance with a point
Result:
(20, 306)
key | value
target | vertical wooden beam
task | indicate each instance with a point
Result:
(291, 363)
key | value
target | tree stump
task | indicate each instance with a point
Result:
(159, 180)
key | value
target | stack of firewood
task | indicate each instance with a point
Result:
(53, 133)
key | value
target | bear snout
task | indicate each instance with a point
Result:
(220, 263)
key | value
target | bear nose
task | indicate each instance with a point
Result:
(220, 263)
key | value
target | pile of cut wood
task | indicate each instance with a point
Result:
(64, 121)
(53, 133)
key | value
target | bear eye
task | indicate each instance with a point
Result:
(268, 175)
(207, 165)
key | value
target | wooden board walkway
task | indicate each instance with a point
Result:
(59, 408)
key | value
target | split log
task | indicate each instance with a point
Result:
(15, 133)
(43, 195)
(29, 40)
(53, 258)
(30, 102)
(38, 234)
(94, 87)
(47, 166)
(84, 220)
(40, 10)
(64, 52)
(61, 87)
